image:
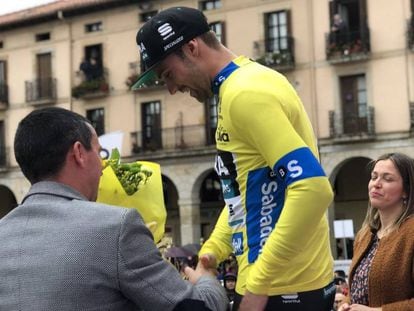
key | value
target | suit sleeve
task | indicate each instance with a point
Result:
(308, 191)
(151, 282)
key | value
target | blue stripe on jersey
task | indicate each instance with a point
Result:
(265, 194)
(297, 165)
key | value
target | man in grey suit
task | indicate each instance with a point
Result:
(60, 250)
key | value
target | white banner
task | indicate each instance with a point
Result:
(110, 141)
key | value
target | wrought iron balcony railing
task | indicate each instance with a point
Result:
(170, 139)
(41, 91)
(4, 95)
(348, 46)
(351, 127)
(277, 53)
(91, 87)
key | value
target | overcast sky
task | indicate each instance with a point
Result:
(9, 6)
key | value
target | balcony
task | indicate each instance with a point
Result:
(171, 139)
(3, 156)
(4, 96)
(348, 47)
(351, 127)
(41, 91)
(276, 53)
(91, 88)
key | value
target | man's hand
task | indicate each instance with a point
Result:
(252, 302)
(206, 266)
(208, 261)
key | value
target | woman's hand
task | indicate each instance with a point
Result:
(356, 307)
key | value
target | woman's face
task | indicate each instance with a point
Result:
(385, 187)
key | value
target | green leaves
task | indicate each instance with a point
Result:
(130, 175)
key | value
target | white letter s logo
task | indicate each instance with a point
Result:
(294, 169)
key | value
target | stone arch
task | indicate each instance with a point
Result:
(7, 200)
(171, 196)
(350, 181)
(207, 190)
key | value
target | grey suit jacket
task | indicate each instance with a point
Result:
(59, 251)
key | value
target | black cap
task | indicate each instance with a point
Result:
(230, 276)
(164, 33)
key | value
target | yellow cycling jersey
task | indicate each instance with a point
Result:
(275, 190)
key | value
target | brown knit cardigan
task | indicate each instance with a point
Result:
(391, 277)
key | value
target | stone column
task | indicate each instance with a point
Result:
(190, 221)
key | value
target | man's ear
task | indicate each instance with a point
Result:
(79, 156)
(192, 47)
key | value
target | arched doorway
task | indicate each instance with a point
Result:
(7, 201)
(172, 225)
(211, 203)
(351, 199)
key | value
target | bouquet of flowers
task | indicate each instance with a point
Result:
(135, 185)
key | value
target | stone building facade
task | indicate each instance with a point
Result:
(357, 87)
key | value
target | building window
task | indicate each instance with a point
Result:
(276, 31)
(353, 34)
(209, 5)
(218, 29)
(92, 65)
(43, 87)
(354, 104)
(97, 118)
(42, 36)
(352, 12)
(93, 27)
(146, 16)
(151, 125)
(1, 44)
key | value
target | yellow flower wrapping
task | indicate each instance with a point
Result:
(148, 200)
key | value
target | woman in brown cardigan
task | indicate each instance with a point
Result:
(382, 273)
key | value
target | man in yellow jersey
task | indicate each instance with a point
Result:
(275, 190)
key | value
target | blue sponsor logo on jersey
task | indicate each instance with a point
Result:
(237, 242)
(264, 203)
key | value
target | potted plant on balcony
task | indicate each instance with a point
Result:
(90, 87)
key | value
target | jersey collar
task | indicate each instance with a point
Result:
(222, 76)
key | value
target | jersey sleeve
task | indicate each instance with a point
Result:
(219, 242)
(267, 125)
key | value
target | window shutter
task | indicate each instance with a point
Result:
(289, 22)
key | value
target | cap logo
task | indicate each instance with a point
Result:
(171, 44)
(165, 31)
(142, 47)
